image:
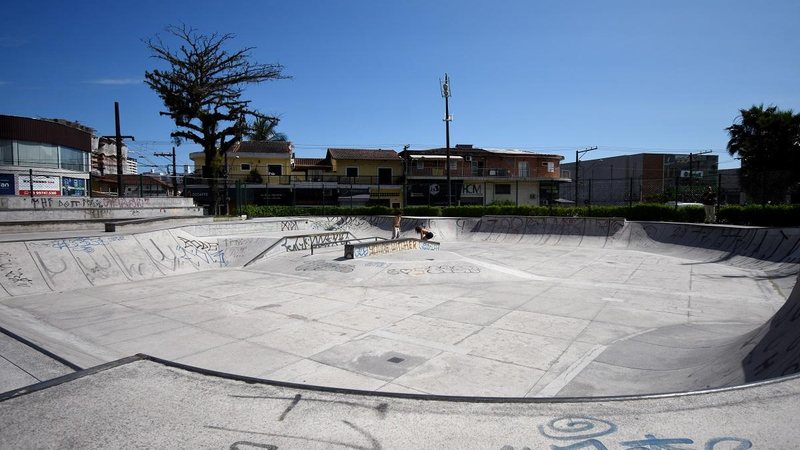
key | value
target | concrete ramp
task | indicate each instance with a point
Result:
(55, 265)
(589, 276)
(698, 356)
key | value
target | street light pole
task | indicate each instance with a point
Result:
(578, 154)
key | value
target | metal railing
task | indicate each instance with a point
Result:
(472, 172)
(288, 180)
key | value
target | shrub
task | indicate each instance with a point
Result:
(755, 215)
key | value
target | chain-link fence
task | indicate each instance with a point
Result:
(729, 188)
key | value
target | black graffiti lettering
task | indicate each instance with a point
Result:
(242, 445)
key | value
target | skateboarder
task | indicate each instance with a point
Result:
(424, 233)
(709, 201)
(396, 224)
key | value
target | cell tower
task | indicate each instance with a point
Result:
(444, 84)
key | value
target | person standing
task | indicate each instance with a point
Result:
(709, 201)
(396, 224)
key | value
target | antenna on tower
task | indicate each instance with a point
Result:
(444, 84)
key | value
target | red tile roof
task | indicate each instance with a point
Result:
(262, 147)
(358, 153)
(311, 162)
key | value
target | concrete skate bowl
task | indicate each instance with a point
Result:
(690, 356)
(654, 307)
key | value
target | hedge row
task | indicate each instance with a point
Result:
(755, 215)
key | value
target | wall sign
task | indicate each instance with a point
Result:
(6, 184)
(73, 187)
(43, 185)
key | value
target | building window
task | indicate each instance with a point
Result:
(74, 159)
(245, 167)
(37, 154)
(351, 171)
(6, 152)
(274, 169)
(384, 175)
(551, 166)
(502, 189)
(453, 164)
(420, 164)
(522, 169)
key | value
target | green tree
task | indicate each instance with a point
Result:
(263, 129)
(254, 177)
(768, 143)
(202, 91)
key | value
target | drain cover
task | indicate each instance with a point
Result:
(395, 360)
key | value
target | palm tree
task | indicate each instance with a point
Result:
(263, 129)
(767, 140)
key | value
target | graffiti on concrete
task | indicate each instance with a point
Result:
(243, 445)
(288, 225)
(12, 271)
(297, 243)
(235, 248)
(96, 270)
(89, 203)
(323, 266)
(362, 439)
(84, 244)
(51, 272)
(434, 270)
(198, 256)
(385, 247)
(425, 245)
(338, 223)
(597, 434)
(198, 244)
(173, 258)
(382, 248)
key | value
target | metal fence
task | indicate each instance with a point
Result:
(762, 187)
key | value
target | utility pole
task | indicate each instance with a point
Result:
(406, 164)
(578, 154)
(174, 173)
(445, 87)
(118, 140)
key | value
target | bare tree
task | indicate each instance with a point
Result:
(202, 92)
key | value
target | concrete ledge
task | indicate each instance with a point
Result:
(361, 250)
(48, 209)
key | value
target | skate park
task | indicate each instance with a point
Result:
(509, 332)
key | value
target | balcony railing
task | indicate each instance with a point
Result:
(288, 180)
(464, 172)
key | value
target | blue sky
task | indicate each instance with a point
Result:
(546, 76)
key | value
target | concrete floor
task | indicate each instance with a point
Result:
(540, 321)
(477, 318)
